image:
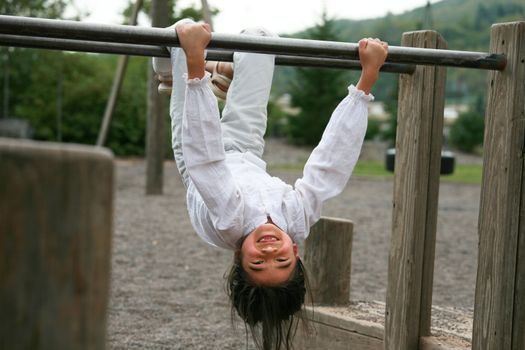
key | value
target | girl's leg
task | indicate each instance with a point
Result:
(178, 68)
(244, 116)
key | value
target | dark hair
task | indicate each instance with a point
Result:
(272, 307)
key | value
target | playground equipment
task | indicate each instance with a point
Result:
(499, 312)
(149, 39)
(499, 316)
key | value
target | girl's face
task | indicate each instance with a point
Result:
(268, 255)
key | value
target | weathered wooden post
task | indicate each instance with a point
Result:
(328, 255)
(499, 313)
(155, 129)
(416, 188)
(55, 242)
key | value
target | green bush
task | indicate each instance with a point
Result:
(467, 131)
(277, 119)
(64, 95)
(389, 134)
(373, 129)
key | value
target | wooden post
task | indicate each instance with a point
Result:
(499, 309)
(56, 206)
(328, 255)
(117, 83)
(155, 135)
(416, 188)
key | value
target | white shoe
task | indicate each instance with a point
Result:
(217, 80)
(162, 65)
(162, 69)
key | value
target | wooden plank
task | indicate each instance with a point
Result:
(327, 258)
(348, 322)
(499, 316)
(323, 337)
(433, 343)
(339, 328)
(416, 188)
(56, 208)
(334, 332)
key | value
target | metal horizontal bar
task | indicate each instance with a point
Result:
(40, 27)
(159, 51)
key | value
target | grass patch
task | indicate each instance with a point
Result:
(463, 173)
(371, 168)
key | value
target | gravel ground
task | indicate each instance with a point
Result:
(168, 287)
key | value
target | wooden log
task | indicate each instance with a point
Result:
(328, 255)
(56, 206)
(416, 188)
(499, 308)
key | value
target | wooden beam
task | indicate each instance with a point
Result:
(344, 328)
(433, 343)
(499, 309)
(335, 332)
(416, 188)
(328, 255)
(56, 208)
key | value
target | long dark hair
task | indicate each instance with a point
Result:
(274, 308)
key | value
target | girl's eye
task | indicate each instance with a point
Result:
(282, 260)
(258, 262)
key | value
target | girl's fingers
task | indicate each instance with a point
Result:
(207, 27)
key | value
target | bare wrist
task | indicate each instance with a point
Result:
(367, 80)
(370, 73)
(194, 55)
(195, 63)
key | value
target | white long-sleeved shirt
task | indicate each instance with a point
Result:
(231, 194)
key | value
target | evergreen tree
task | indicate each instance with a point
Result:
(316, 92)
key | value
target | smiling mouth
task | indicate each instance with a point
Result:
(267, 239)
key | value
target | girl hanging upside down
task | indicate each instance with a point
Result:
(233, 203)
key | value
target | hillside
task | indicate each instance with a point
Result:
(465, 25)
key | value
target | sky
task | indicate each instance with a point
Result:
(280, 16)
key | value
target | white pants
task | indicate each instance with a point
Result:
(243, 121)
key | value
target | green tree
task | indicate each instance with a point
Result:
(389, 134)
(17, 63)
(316, 92)
(85, 80)
(467, 131)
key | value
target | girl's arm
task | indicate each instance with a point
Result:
(331, 163)
(202, 143)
